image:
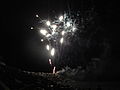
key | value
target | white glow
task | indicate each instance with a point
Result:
(63, 32)
(54, 70)
(68, 24)
(37, 16)
(48, 35)
(48, 23)
(52, 51)
(50, 62)
(43, 31)
(61, 40)
(73, 29)
(54, 27)
(61, 18)
(53, 32)
(47, 47)
(41, 40)
(31, 28)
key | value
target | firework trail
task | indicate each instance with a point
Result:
(50, 62)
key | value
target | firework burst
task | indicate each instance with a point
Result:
(57, 32)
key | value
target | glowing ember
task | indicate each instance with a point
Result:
(31, 28)
(68, 24)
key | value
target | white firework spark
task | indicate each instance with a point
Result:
(31, 28)
(52, 52)
(54, 70)
(48, 47)
(61, 18)
(48, 23)
(37, 16)
(68, 24)
(50, 62)
(43, 31)
(61, 40)
(63, 32)
(42, 40)
(62, 25)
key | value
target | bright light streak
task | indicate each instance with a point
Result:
(54, 70)
(61, 40)
(48, 23)
(52, 52)
(43, 31)
(63, 32)
(68, 24)
(47, 47)
(48, 35)
(50, 62)
(61, 18)
(54, 27)
(41, 40)
(37, 16)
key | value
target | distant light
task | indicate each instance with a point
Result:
(47, 47)
(31, 28)
(61, 18)
(43, 31)
(63, 32)
(61, 40)
(68, 24)
(37, 16)
(48, 23)
(52, 52)
(41, 40)
(54, 27)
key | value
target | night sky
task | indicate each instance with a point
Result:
(21, 47)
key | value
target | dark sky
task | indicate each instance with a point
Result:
(21, 47)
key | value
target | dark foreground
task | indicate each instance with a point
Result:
(16, 79)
